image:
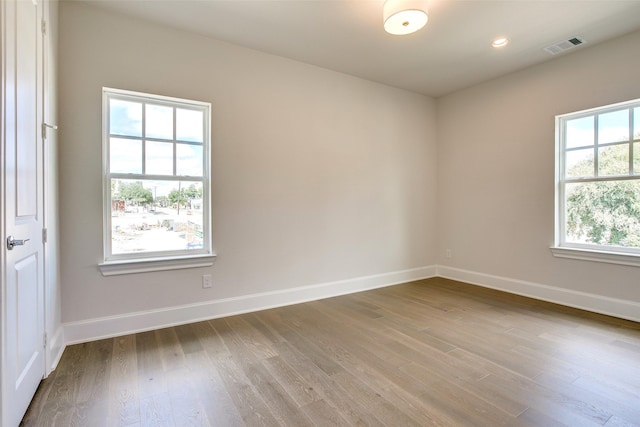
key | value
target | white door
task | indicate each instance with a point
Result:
(22, 307)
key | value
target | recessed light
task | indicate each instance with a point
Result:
(500, 42)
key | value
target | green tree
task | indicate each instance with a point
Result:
(193, 192)
(162, 201)
(134, 192)
(605, 212)
(185, 194)
(174, 195)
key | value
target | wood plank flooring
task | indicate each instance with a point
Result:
(433, 352)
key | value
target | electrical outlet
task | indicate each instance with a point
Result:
(206, 281)
(447, 253)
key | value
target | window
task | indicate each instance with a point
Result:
(598, 184)
(156, 182)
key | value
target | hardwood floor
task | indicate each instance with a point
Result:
(432, 352)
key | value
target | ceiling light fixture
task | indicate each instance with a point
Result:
(404, 16)
(500, 42)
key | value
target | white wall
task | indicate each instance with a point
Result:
(496, 174)
(317, 176)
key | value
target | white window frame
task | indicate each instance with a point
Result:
(590, 252)
(114, 264)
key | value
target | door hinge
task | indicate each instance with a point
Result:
(44, 129)
(45, 235)
(44, 340)
(43, 26)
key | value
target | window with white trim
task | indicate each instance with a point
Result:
(156, 178)
(598, 184)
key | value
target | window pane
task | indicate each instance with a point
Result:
(159, 122)
(125, 155)
(155, 216)
(579, 163)
(125, 118)
(636, 123)
(613, 127)
(636, 158)
(613, 160)
(603, 213)
(189, 125)
(159, 158)
(580, 132)
(189, 160)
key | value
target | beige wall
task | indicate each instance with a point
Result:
(321, 177)
(496, 168)
(317, 176)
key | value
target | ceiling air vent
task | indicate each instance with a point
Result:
(564, 45)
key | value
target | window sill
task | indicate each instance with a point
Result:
(597, 256)
(113, 268)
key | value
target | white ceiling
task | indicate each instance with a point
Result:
(453, 51)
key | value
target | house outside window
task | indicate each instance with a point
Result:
(598, 184)
(156, 179)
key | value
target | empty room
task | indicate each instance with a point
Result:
(320, 212)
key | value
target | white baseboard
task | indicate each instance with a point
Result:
(591, 302)
(106, 327)
(55, 348)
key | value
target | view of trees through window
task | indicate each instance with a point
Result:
(154, 216)
(604, 213)
(603, 209)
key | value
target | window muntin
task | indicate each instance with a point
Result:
(156, 177)
(598, 189)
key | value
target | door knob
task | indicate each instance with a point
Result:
(11, 242)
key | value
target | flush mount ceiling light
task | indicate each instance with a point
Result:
(500, 42)
(404, 16)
